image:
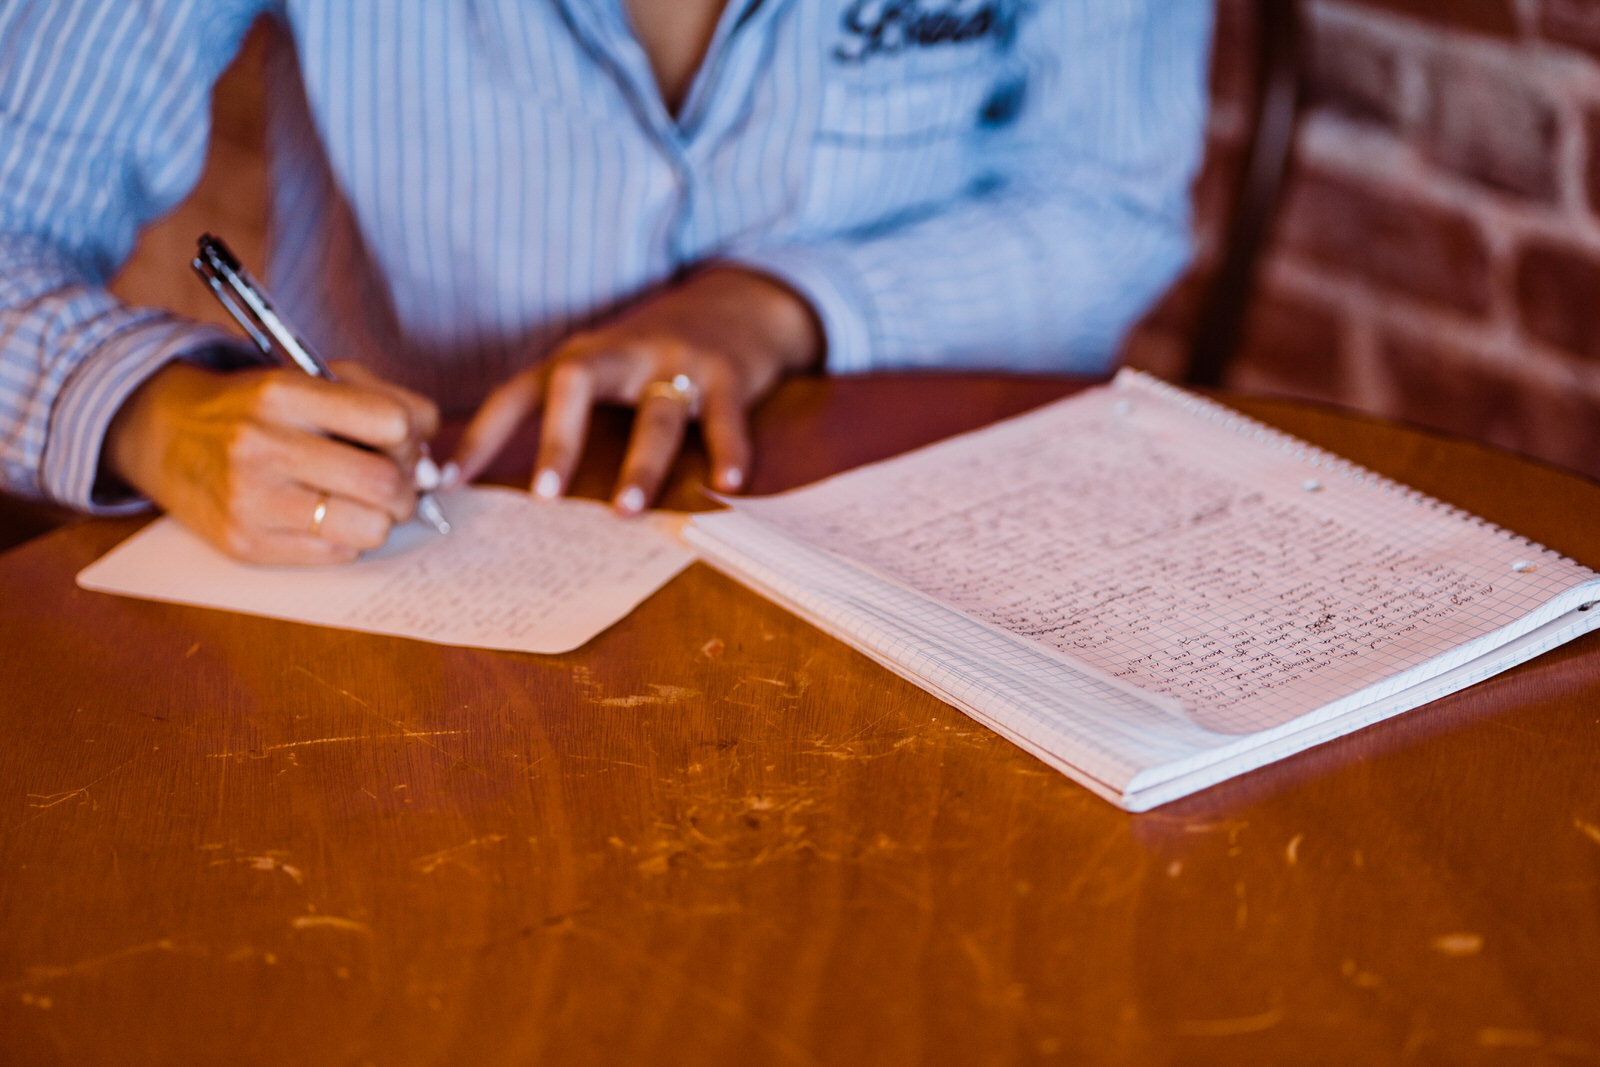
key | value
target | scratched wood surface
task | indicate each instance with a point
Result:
(715, 836)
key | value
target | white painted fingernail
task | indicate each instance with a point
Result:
(732, 478)
(547, 486)
(427, 474)
(449, 476)
(631, 499)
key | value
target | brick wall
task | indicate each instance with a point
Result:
(1437, 257)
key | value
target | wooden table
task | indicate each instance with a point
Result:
(715, 836)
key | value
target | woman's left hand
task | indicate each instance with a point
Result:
(726, 333)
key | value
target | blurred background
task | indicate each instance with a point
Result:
(1436, 253)
(1435, 256)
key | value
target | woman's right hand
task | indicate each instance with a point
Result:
(247, 459)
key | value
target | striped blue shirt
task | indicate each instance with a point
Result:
(458, 183)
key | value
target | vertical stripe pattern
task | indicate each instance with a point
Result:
(456, 184)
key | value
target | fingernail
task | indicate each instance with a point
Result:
(449, 476)
(732, 478)
(631, 499)
(427, 474)
(547, 486)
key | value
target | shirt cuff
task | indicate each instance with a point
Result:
(70, 466)
(830, 283)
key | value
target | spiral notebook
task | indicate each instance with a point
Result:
(1151, 592)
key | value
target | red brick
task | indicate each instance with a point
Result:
(1454, 391)
(1495, 17)
(1491, 127)
(1571, 22)
(1391, 241)
(1289, 344)
(1354, 73)
(1557, 293)
(1293, 343)
(1451, 390)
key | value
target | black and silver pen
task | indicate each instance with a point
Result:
(248, 303)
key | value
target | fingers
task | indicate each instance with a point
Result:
(338, 520)
(423, 413)
(367, 478)
(727, 438)
(570, 393)
(657, 433)
(618, 364)
(293, 550)
(295, 524)
(265, 506)
(359, 413)
(261, 457)
(495, 421)
(242, 459)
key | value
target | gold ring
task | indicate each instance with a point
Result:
(680, 388)
(319, 513)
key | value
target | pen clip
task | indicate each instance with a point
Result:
(226, 296)
(248, 303)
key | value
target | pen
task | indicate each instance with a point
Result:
(247, 302)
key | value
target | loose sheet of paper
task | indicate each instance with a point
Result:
(1251, 581)
(514, 573)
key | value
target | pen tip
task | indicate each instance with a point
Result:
(432, 513)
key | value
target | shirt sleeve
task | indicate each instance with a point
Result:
(104, 118)
(1077, 222)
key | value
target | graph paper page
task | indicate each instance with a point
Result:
(1172, 544)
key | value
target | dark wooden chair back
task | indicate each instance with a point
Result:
(1256, 196)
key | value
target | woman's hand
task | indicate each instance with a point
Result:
(732, 333)
(264, 464)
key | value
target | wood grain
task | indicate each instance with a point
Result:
(715, 836)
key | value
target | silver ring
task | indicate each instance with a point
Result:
(680, 388)
(319, 513)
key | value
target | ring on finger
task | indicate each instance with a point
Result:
(318, 514)
(680, 388)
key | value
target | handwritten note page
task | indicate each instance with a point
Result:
(1123, 530)
(515, 574)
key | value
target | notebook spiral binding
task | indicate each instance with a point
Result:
(1320, 458)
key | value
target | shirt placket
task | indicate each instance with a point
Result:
(720, 84)
(603, 30)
